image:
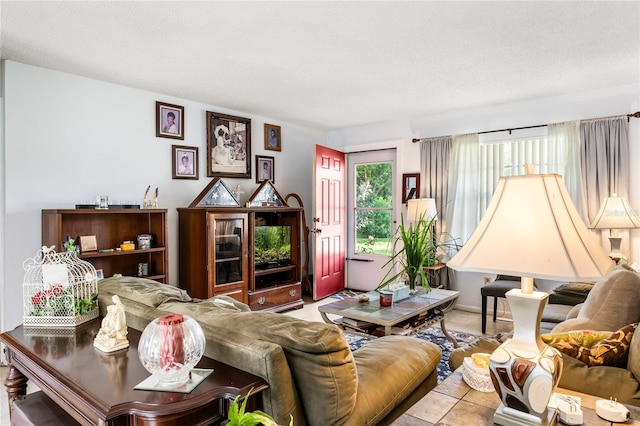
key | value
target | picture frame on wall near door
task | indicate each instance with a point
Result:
(410, 186)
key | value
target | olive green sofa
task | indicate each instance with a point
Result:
(312, 374)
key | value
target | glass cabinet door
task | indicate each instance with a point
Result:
(230, 253)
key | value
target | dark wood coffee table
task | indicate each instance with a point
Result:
(414, 313)
(98, 389)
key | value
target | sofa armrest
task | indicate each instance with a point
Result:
(601, 381)
(573, 313)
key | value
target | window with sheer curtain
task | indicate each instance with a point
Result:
(478, 165)
(510, 157)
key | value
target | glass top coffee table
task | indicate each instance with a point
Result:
(406, 316)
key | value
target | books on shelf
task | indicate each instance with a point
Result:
(356, 323)
(399, 331)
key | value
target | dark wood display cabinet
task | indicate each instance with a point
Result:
(111, 228)
(251, 254)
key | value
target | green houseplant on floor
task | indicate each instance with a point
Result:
(414, 247)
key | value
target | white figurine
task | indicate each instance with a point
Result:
(113, 333)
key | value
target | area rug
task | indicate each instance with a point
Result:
(346, 294)
(431, 334)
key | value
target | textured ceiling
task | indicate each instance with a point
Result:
(332, 65)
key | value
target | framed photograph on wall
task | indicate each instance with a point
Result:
(265, 168)
(272, 137)
(410, 186)
(228, 146)
(185, 162)
(169, 121)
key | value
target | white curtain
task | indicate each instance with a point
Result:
(565, 139)
(477, 167)
(463, 193)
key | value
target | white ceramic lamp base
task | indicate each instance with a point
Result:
(504, 416)
(615, 253)
(524, 370)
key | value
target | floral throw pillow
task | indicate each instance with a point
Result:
(590, 348)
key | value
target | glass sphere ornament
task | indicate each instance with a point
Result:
(170, 346)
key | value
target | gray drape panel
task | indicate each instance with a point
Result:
(605, 160)
(434, 169)
(435, 154)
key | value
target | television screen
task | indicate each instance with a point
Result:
(272, 246)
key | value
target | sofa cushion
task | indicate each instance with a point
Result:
(148, 292)
(604, 381)
(398, 376)
(589, 348)
(570, 293)
(576, 289)
(633, 363)
(585, 338)
(610, 305)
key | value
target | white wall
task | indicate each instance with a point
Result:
(69, 138)
(618, 100)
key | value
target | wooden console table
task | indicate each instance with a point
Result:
(98, 389)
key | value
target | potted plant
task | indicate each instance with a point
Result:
(239, 417)
(414, 247)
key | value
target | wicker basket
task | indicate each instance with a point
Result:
(59, 290)
(477, 377)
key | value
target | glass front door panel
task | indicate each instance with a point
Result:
(228, 240)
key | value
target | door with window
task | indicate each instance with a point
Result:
(329, 225)
(371, 217)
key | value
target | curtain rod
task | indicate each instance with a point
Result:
(635, 115)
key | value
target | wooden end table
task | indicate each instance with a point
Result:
(415, 313)
(98, 389)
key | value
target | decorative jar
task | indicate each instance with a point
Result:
(170, 346)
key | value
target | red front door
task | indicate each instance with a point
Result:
(329, 222)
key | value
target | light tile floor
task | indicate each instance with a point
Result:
(458, 320)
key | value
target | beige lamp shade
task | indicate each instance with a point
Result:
(422, 208)
(615, 213)
(532, 229)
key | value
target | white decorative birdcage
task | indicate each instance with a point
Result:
(59, 290)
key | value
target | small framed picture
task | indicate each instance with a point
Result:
(88, 243)
(185, 162)
(264, 168)
(272, 137)
(99, 274)
(169, 121)
(410, 186)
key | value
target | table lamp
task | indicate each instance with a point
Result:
(615, 214)
(530, 229)
(422, 209)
